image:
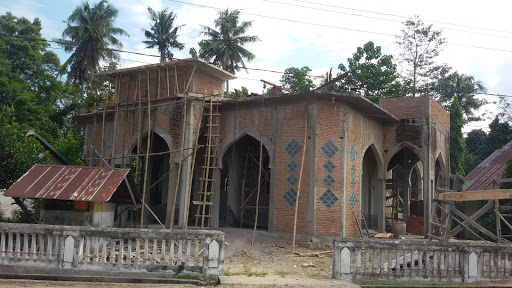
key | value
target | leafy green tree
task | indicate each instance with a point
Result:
(297, 79)
(18, 153)
(465, 87)
(420, 44)
(163, 34)
(90, 36)
(475, 147)
(500, 133)
(224, 46)
(372, 74)
(507, 173)
(29, 80)
(457, 145)
(505, 109)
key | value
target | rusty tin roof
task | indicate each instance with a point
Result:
(63, 182)
(483, 176)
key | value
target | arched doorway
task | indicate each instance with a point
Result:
(369, 189)
(157, 176)
(398, 184)
(239, 185)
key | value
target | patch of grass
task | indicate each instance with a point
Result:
(314, 275)
(282, 273)
(440, 284)
(164, 276)
(187, 276)
(210, 278)
(228, 272)
(257, 274)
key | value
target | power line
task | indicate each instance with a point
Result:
(378, 18)
(401, 16)
(342, 28)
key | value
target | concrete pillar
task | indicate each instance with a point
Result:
(381, 207)
(186, 166)
(215, 198)
(427, 196)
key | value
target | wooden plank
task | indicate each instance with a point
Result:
(475, 224)
(475, 216)
(477, 195)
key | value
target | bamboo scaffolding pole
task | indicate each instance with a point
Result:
(148, 146)
(154, 215)
(206, 177)
(259, 182)
(190, 79)
(94, 139)
(103, 125)
(194, 162)
(176, 77)
(139, 132)
(243, 189)
(172, 102)
(300, 180)
(116, 118)
(168, 87)
(158, 88)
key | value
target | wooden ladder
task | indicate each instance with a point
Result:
(204, 202)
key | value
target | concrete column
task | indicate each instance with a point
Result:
(426, 168)
(312, 147)
(215, 198)
(381, 207)
(186, 166)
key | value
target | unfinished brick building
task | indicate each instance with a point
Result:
(351, 148)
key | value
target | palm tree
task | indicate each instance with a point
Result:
(162, 33)
(224, 46)
(90, 36)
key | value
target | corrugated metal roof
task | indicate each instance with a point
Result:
(483, 176)
(60, 182)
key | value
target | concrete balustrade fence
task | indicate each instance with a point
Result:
(111, 249)
(408, 260)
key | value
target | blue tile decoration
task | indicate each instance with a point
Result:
(329, 166)
(292, 166)
(329, 180)
(291, 180)
(329, 148)
(290, 197)
(292, 148)
(353, 198)
(329, 198)
(353, 152)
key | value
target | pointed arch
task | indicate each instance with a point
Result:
(232, 138)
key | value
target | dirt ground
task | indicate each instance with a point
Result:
(270, 261)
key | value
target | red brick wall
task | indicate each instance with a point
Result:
(207, 85)
(439, 114)
(405, 107)
(330, 126)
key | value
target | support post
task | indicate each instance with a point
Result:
(427, 193)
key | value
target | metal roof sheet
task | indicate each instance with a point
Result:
(61, 182)
(483, 176)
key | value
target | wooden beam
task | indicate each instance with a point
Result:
(476, 225)
(475, 216)
(477, 195)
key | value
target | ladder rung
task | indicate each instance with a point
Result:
(434, 236)
(438, 224)
(201, 203)
(207, 193)
(210, 167)
(215, 114)
(506, 215)
(205, 216)
(212, 124)
(213, 135)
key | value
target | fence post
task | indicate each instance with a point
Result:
(205, 255)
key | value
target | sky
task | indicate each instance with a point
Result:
(313, 33)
